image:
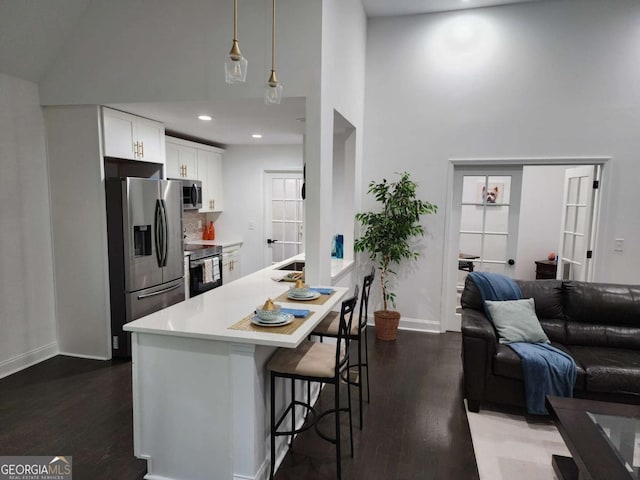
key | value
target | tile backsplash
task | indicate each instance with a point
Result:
(190, 219)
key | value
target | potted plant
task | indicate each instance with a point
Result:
(387, 236)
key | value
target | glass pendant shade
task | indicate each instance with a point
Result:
(273, 90)
(235, 68)
(273, 94)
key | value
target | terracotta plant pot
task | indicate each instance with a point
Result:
(386, 324)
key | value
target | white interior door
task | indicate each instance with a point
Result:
(579, 197)
(284, 216)
(485, 213)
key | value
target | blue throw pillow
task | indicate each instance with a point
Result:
(516, 321)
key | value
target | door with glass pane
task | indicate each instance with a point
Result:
(486, 208)
(284, 216)
(574, 255)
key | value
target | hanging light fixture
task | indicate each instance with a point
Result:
(235, 66)
(273, 90)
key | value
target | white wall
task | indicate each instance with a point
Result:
(534, 79)
(79, 227)
(27, 308)
(167, 50)
(540, 217)
(244, 176)
(341, 89)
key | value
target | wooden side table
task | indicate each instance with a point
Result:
(546, 269)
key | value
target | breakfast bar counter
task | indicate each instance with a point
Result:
(200, 387)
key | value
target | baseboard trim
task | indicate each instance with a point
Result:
(88, 357)
(413, 324)
(28, 359)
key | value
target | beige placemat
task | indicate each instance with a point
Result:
(246, 326)
(321, 300)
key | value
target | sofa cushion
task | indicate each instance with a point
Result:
(547, 295)
(516, 321)
(603, 303)
(555, 328)
(611, 370)
(507, 363)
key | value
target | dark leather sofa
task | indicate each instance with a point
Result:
(597, 324)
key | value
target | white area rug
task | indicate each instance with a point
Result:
(509, 446)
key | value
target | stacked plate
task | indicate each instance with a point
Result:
(275, 321)
(300, 294)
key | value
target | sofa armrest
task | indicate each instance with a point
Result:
(479, 345)
(476, 324)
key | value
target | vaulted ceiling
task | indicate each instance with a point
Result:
(33, 33)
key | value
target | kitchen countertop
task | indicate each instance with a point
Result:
(209, 315)
(223, 242)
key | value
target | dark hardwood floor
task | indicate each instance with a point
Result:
(72, 406)
(414, 428)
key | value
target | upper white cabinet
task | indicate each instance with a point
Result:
(132, 137)
(181, 160)
(197, 161)
(210, 174)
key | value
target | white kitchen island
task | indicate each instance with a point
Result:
(200, 390)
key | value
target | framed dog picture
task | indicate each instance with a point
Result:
(491, 193)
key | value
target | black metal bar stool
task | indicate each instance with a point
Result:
(317, 362)
(329, 327)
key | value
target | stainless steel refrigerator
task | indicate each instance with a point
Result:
(146, 258)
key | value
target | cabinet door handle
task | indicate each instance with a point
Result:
(142, 149)
(135, 149)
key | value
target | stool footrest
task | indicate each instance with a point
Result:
(322, 435)
(304, 428)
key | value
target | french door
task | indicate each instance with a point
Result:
(574, 255)
(284, 216)
(486, 208)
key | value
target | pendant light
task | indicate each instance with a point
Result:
(235, 66)
(273, 90)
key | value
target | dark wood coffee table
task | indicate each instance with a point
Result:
(595, 456)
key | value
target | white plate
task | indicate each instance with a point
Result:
(311, 296)
(285, 319)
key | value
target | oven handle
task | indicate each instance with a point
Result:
(159, 292)
(197, 263)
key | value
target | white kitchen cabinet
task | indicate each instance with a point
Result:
(131, 137)
(210, 174)
(196, 161)
(231, 267)
(181, 159)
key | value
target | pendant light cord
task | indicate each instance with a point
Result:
(273, 35)
(235, 20)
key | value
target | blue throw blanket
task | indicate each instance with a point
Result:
(545, 369)
(494, 286)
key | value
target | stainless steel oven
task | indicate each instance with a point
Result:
(205, 267)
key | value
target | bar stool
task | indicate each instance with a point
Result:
(329, 327)
(317, 362)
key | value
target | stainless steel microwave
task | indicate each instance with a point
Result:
(191, 193)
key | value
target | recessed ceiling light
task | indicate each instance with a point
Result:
(206, 118)
(256, 135)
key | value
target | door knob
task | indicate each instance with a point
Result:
(511, 261)
(270, 241)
